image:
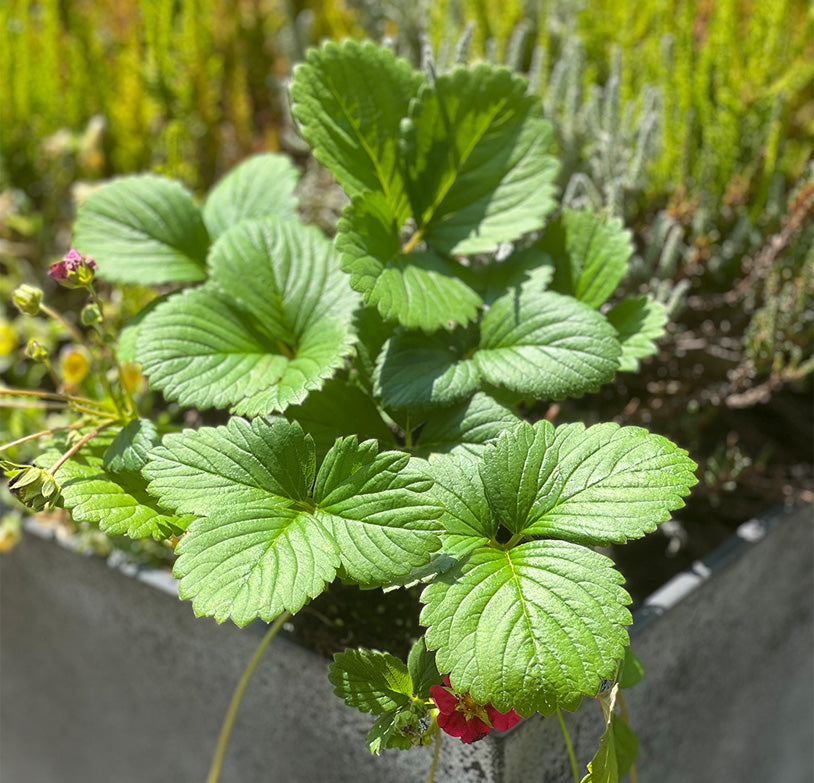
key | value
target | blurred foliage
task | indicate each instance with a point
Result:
(690, 119)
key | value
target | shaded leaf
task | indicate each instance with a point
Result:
(370, 680)
(639, 322)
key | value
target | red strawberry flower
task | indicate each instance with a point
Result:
(459, 715)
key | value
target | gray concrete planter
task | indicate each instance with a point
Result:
(108, 678)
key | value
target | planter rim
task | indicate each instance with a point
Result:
(747, 535)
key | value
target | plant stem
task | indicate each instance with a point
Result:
(435, 755)
(41, 434)
(226, 729)
(129, 405)
(78, 445)
(4, 392)
(634, 778)
(408, 435)
(76, 335)
(569, 747)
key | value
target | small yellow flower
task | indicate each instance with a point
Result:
(8, 340)
(74, 365)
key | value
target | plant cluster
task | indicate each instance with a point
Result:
(383, 390)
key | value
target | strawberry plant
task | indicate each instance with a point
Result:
(379, 398)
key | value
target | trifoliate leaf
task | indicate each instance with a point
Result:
(465, 427)
(349, 99)
(639, 322)
(532, 628)
(422, 668)
(590, 254)
(545, 345)
(617, 751)
(129, 449)
(336, 410)
(476, 151)
(420, 290)
(117, 502)
(379, 509)
(415, 370)
(272, 324)
(265, 542)
(262, 185)
(606, 484)
(370, 680)
(143, 229)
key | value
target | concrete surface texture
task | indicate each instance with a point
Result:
(104, 677)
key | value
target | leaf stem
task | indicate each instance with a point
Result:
(78, 445)
(237, 696)
(436, 753)
(408, 435)
(569, 747)
(634, 777)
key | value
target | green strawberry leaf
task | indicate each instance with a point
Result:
(254, 560)
(532, 628)
(336, 410)
(459, 487)
(349, 99)
(545, 345)
(423, 672)
(255, 549)
(420, 290)
(617, 751)
(476, 156)
(518, 469)
(466, 426)
(606, 484)
(143, 229)
(260, 186)
(129, 449)
(590, 254)
(639, 322)
(272, 530)
(272, 324)
(632, 670)
(379, 509)
(416, 370)
(370, 680)
(117, 502)
(202, 471)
